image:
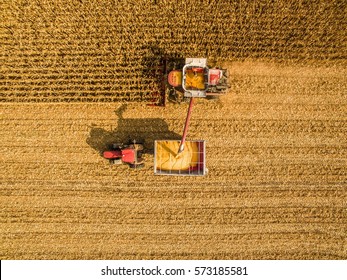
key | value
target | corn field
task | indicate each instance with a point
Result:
(66, 51)
(77, 76)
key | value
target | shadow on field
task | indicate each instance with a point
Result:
(154, 57)
(144, 131)
(156, 64)
(152, 61)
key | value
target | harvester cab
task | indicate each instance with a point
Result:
(196, 79)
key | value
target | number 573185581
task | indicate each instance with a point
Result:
(223, 270)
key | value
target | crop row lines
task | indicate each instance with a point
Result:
(59, 98)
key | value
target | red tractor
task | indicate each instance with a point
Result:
(130, 154)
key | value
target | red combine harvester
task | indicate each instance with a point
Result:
(195, 80)
(130, 154)
(191, 77)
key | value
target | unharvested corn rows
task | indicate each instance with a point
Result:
(59, 51)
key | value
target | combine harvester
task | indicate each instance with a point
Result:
(183, 157)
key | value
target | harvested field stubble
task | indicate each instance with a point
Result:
(276, 187)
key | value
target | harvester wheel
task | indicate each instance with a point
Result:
(186, 99)
(222, 87)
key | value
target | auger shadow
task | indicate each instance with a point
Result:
(144, 130)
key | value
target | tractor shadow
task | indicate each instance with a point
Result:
(144, 131)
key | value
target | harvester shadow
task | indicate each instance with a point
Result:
(154, 59)
(156, 64)
(144, 131)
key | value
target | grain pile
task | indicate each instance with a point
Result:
(276, 143)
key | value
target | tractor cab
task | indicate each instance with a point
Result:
(130, 154)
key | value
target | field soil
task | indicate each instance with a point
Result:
(276, 187)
